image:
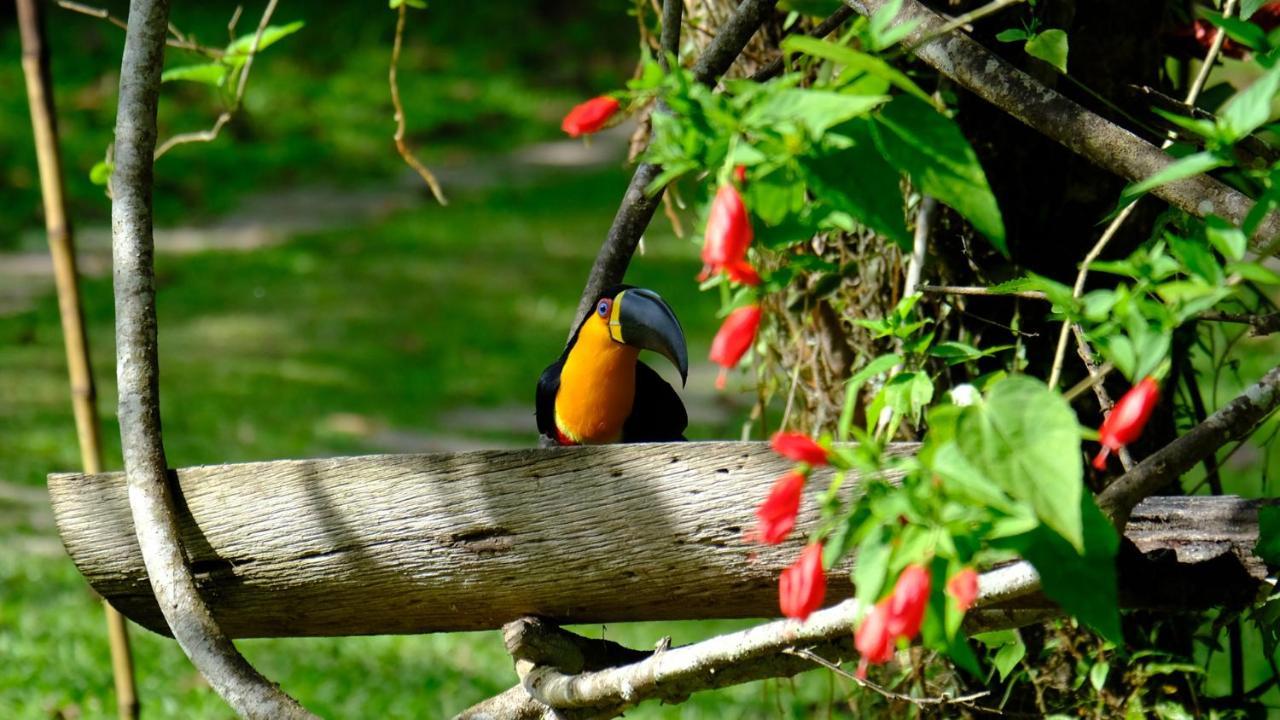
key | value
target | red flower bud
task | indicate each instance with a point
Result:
(798, 447)
(1127, 419)
(590, 116)
(777, 514)
(802, 586)
(907, 603)
(963, 586)
(734, 339)
(873, 640)
(724, 248)
(740, 174)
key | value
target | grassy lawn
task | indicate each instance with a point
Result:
(309, 349)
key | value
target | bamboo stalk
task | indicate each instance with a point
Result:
(35, 68)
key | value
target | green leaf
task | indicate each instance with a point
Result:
(238, 51)
(1249, 7)
(420, 4)
(1098, 675)
(817, 110)
(930, 148)
(100, 173)
(1010, 653)
(1186, 167)
(1196, 258)
(1254, 272)
(857, 180)
(881, 364)
(1051, 47)
(206, 73)
(854, 60)
(872, 565)
(1268, 547)
(1227, 238)
(1248, 110)
(1084, 584)
(1026, 439)
(1012, 35)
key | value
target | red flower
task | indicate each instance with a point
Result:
(963, 586)
(873, 639)
(798, 447)
(590, 116)
(734, 339)
(740, 174)
(728, 236)
(1127, 419)
(907, 603)
(777, 514)
(803, 585)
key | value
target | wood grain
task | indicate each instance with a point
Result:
(472, 540)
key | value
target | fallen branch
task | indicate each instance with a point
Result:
(637, 206)
(1109, 146)
(150, 500)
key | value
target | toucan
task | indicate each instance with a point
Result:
(599, 392)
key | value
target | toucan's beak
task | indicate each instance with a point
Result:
(641, 319)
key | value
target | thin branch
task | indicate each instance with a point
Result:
(1233, 421)
(920, 243)
(979, 290)
(1259, 325)
(137, 368)
(410, 159)
(212, 133)
(1078, 288)
(1089, 383)
(963, 700)
(40, 98)
(825, 28)
(178, 41)
(638, 207)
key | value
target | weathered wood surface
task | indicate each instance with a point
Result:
(469, 541)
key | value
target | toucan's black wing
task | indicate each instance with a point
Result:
(545, 402)
(658, 415)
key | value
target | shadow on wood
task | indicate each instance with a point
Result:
(470, 541)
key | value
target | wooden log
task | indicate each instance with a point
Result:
(472, 540)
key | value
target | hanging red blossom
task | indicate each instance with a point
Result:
(777, 514)
(734, 339)
(963, 586)
(740, 174)
(873, 640)
(590, 116)
(907, 604)
(1127, 419)
(729, 234)
(799, 447)
(802, 587)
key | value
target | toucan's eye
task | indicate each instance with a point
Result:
(603, 309)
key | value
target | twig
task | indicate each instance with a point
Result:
(178, 41)
(212, 133)
(638, 207)
(36, 73)
(1233, 421)
(1259, 325)
(1089, 383)
(964, 700)
(1109, 146)
(410, 159)
(962, 21)
(979, 290)
(1078, 288)
(920, 243)
(825, 28)
(1099, 389)
(137, 369)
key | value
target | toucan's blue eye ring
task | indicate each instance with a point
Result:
(603, 308)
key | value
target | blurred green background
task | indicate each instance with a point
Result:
(315, 301)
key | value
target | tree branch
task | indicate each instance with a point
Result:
(137, 369)
(1110, 146)
(1233, 421)
(401, 146)
(637, 207)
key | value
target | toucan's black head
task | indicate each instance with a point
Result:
(642, 319)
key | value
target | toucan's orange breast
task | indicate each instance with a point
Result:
(597, 386)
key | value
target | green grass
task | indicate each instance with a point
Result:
(398, 322)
